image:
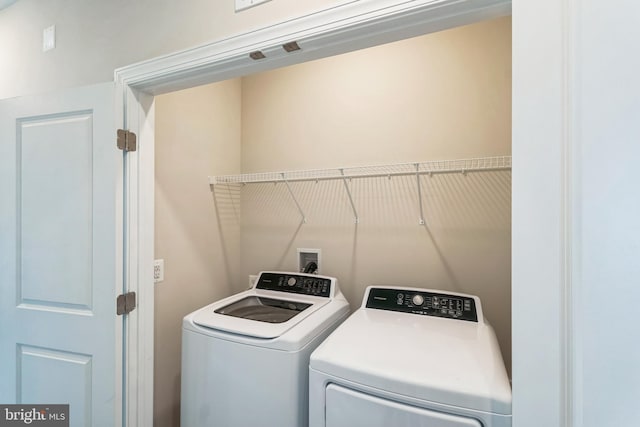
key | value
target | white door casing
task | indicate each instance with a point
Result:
(60, 257)
(136, 110)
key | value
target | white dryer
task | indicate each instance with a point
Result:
(245, 359)
(410, 357)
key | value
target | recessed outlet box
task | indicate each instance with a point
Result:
(246, 4)
(306, 256)
(158, 270)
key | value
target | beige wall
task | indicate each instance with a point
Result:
(197, 134)
(94, 37)
(442, 96)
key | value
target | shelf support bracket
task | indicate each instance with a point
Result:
(346, 187)
(295, 200)
(421, 219)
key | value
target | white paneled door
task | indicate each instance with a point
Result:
(60, 234)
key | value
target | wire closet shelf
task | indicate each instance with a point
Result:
(399, 169)
(345, 174)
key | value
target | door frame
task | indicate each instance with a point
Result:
(339, 29)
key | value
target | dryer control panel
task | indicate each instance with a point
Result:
(425, 303)
(306, 284)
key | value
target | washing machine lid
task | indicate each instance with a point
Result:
(277, 302)
(443, 360)
(263, 309)
(259, 314)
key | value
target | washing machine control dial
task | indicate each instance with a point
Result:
(291, 281)
(417, 299)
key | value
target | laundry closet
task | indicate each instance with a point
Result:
(440, 97)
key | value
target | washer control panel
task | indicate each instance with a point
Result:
(306, 284)
(425, 303)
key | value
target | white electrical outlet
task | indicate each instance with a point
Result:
(246, 4)
(158, 270)
(49, 38)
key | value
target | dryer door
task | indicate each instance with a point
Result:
(349, 408)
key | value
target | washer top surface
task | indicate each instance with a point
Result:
(419, 354)
(263, 309)
(276, 303)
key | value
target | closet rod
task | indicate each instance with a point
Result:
(403, 169)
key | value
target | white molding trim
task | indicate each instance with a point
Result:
(343, 28)
(136, 112)
(346, 27)
(545, 235)
(571, 244)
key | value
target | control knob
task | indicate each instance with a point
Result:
(291, 281)
(417, 299)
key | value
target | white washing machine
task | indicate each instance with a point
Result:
(410, 358)
(245, 359)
